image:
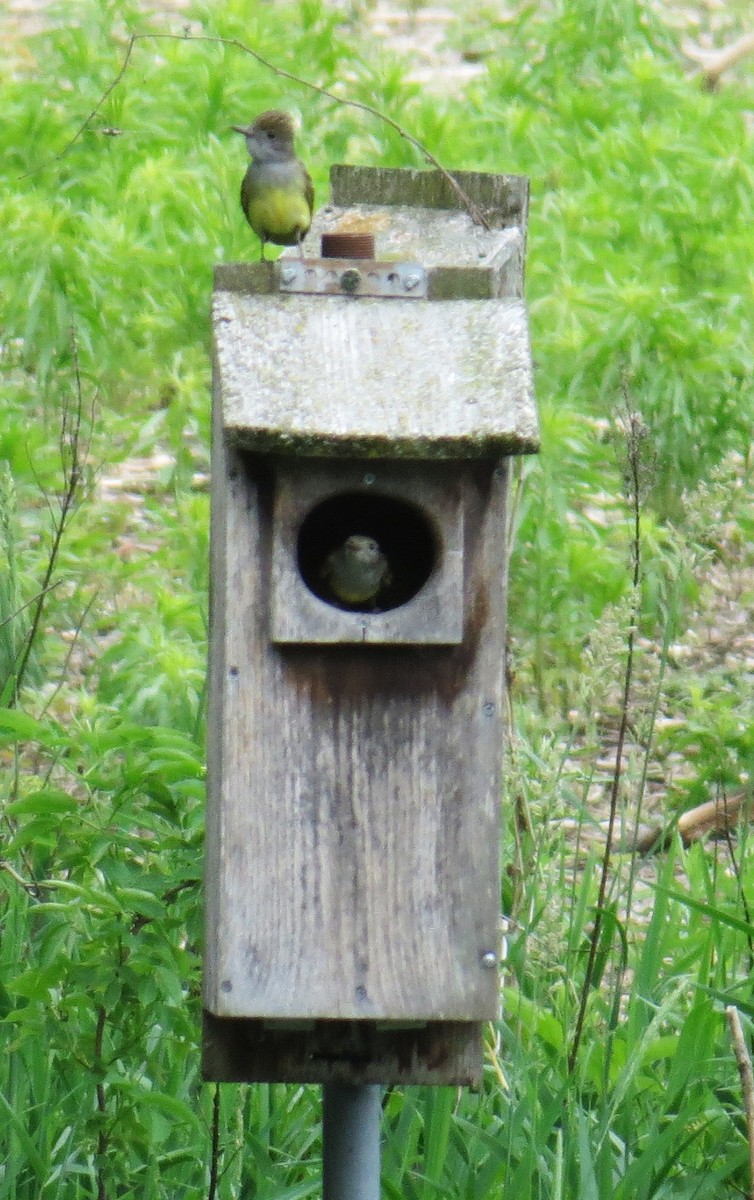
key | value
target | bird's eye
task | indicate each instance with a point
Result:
(270, 134)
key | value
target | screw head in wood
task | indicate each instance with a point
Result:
(350, 280)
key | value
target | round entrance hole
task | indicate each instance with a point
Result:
(388, 545)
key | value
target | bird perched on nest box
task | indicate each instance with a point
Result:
(357, 571)
(277, 195)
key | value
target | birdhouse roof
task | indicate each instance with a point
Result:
(447, 375)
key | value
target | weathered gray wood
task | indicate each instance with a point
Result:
(463, 281)
(435, 237)
(248, 1051)
(258, 278)
(446, 377)
(433, 617)
(478, 283)
(503, 199)
(352, 890)
(353, 791)
(375, 378)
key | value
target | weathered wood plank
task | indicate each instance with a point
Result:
(354, 793)
(499, 277)
(503, 199)
(375, 378)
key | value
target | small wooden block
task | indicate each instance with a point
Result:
(503, 199)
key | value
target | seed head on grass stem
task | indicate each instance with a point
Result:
(636, 476)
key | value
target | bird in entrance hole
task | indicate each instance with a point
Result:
(357, 571)
(277, 195)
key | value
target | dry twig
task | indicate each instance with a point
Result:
(475, 213)
(635, 478)
(714, 816)
(714, 63)
(74, 449)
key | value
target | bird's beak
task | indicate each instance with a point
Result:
(244, 129)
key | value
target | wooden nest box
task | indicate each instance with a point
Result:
(355, 747)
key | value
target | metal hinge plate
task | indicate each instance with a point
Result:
(353, 277)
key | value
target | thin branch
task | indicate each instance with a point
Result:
(85, 124)
(649, 740)
(71, 461)
(102, 1138)
(747, 1083)
(634, 437)
(475, 213)
(214, 1162)
(71, 648)
(28, 603)
(731, 810)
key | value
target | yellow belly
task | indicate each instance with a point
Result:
(279, 216)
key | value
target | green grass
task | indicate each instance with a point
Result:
(639, 290)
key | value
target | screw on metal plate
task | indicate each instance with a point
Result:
(340, 276)
(488, 960)
(350, 280)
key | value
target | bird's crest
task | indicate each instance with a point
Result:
(277, 122)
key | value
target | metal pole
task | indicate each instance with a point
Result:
(351, 1141)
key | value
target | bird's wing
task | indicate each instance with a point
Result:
(308, 189)
(246, 193)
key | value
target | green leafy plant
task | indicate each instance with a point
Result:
(119, 200)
